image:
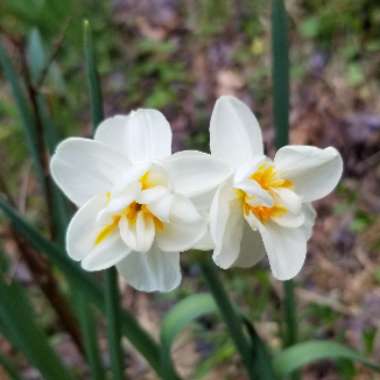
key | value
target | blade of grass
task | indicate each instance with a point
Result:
(130, 327)
(112, 296)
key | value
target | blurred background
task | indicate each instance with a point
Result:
(179, 56)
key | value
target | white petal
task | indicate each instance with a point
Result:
(315, 172)
(258, 196)
(153, 194)
(151, 271)
(183, 210)
(128, 233)
(83, 168)
(244, 171)
(226, 225)
(286, 249)
(149, 136)
(227, 251)
(235, 135)
(162, 207)
(82, 230)
(251, 250)
(179, 237)
(106, 254)
(113, 132)
(205, 243)
(145, 231)
(193, 173)
(310, 215)
(290, 220)
(289, 199)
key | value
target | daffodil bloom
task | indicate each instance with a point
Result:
(137, 201)
(264, 206)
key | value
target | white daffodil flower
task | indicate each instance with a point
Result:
(135, 199)
(264, 207)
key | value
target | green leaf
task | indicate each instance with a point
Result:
(9, 368)
(131, 329)
(16, 315)
(96, 101)
(35, 54)
(280, 72)
(27, 119)
(261, 357)
(111, 291)
(182, 314)
(301, 354)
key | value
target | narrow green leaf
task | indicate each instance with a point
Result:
(35, 54)
(301, 354)
(182, 314)
(17, 317)
(228, 313)
(280, 72)
(26, 117)
(111, 291)
(89, 333)
(280, 80)
(112, 299)
(96, 100)
(9, 368)
(261, 357)
(131, 329)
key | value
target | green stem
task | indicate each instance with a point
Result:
(112, 305)
(112, 298)
(281, 90)
(228, 313)
(88, 329)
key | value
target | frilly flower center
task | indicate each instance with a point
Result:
(130, 212)
(267, 177)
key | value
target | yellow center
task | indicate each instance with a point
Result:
(130, 212)
(267, 177)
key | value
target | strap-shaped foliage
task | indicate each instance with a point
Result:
(131, 329)
(301, 354)
(181, 315)
(17, 317)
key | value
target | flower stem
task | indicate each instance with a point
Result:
(88, 329)
(280, 78)
(228, 313)
(112, 297)
(112, 305)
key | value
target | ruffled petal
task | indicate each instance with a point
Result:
(235, 134)
(226, 226)
(82, 230)
(252, 249)
(149, 136)
(315, 172)
(106, 254)
(152, 271)
(83, 168)
(193, 173)
(286, 249)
